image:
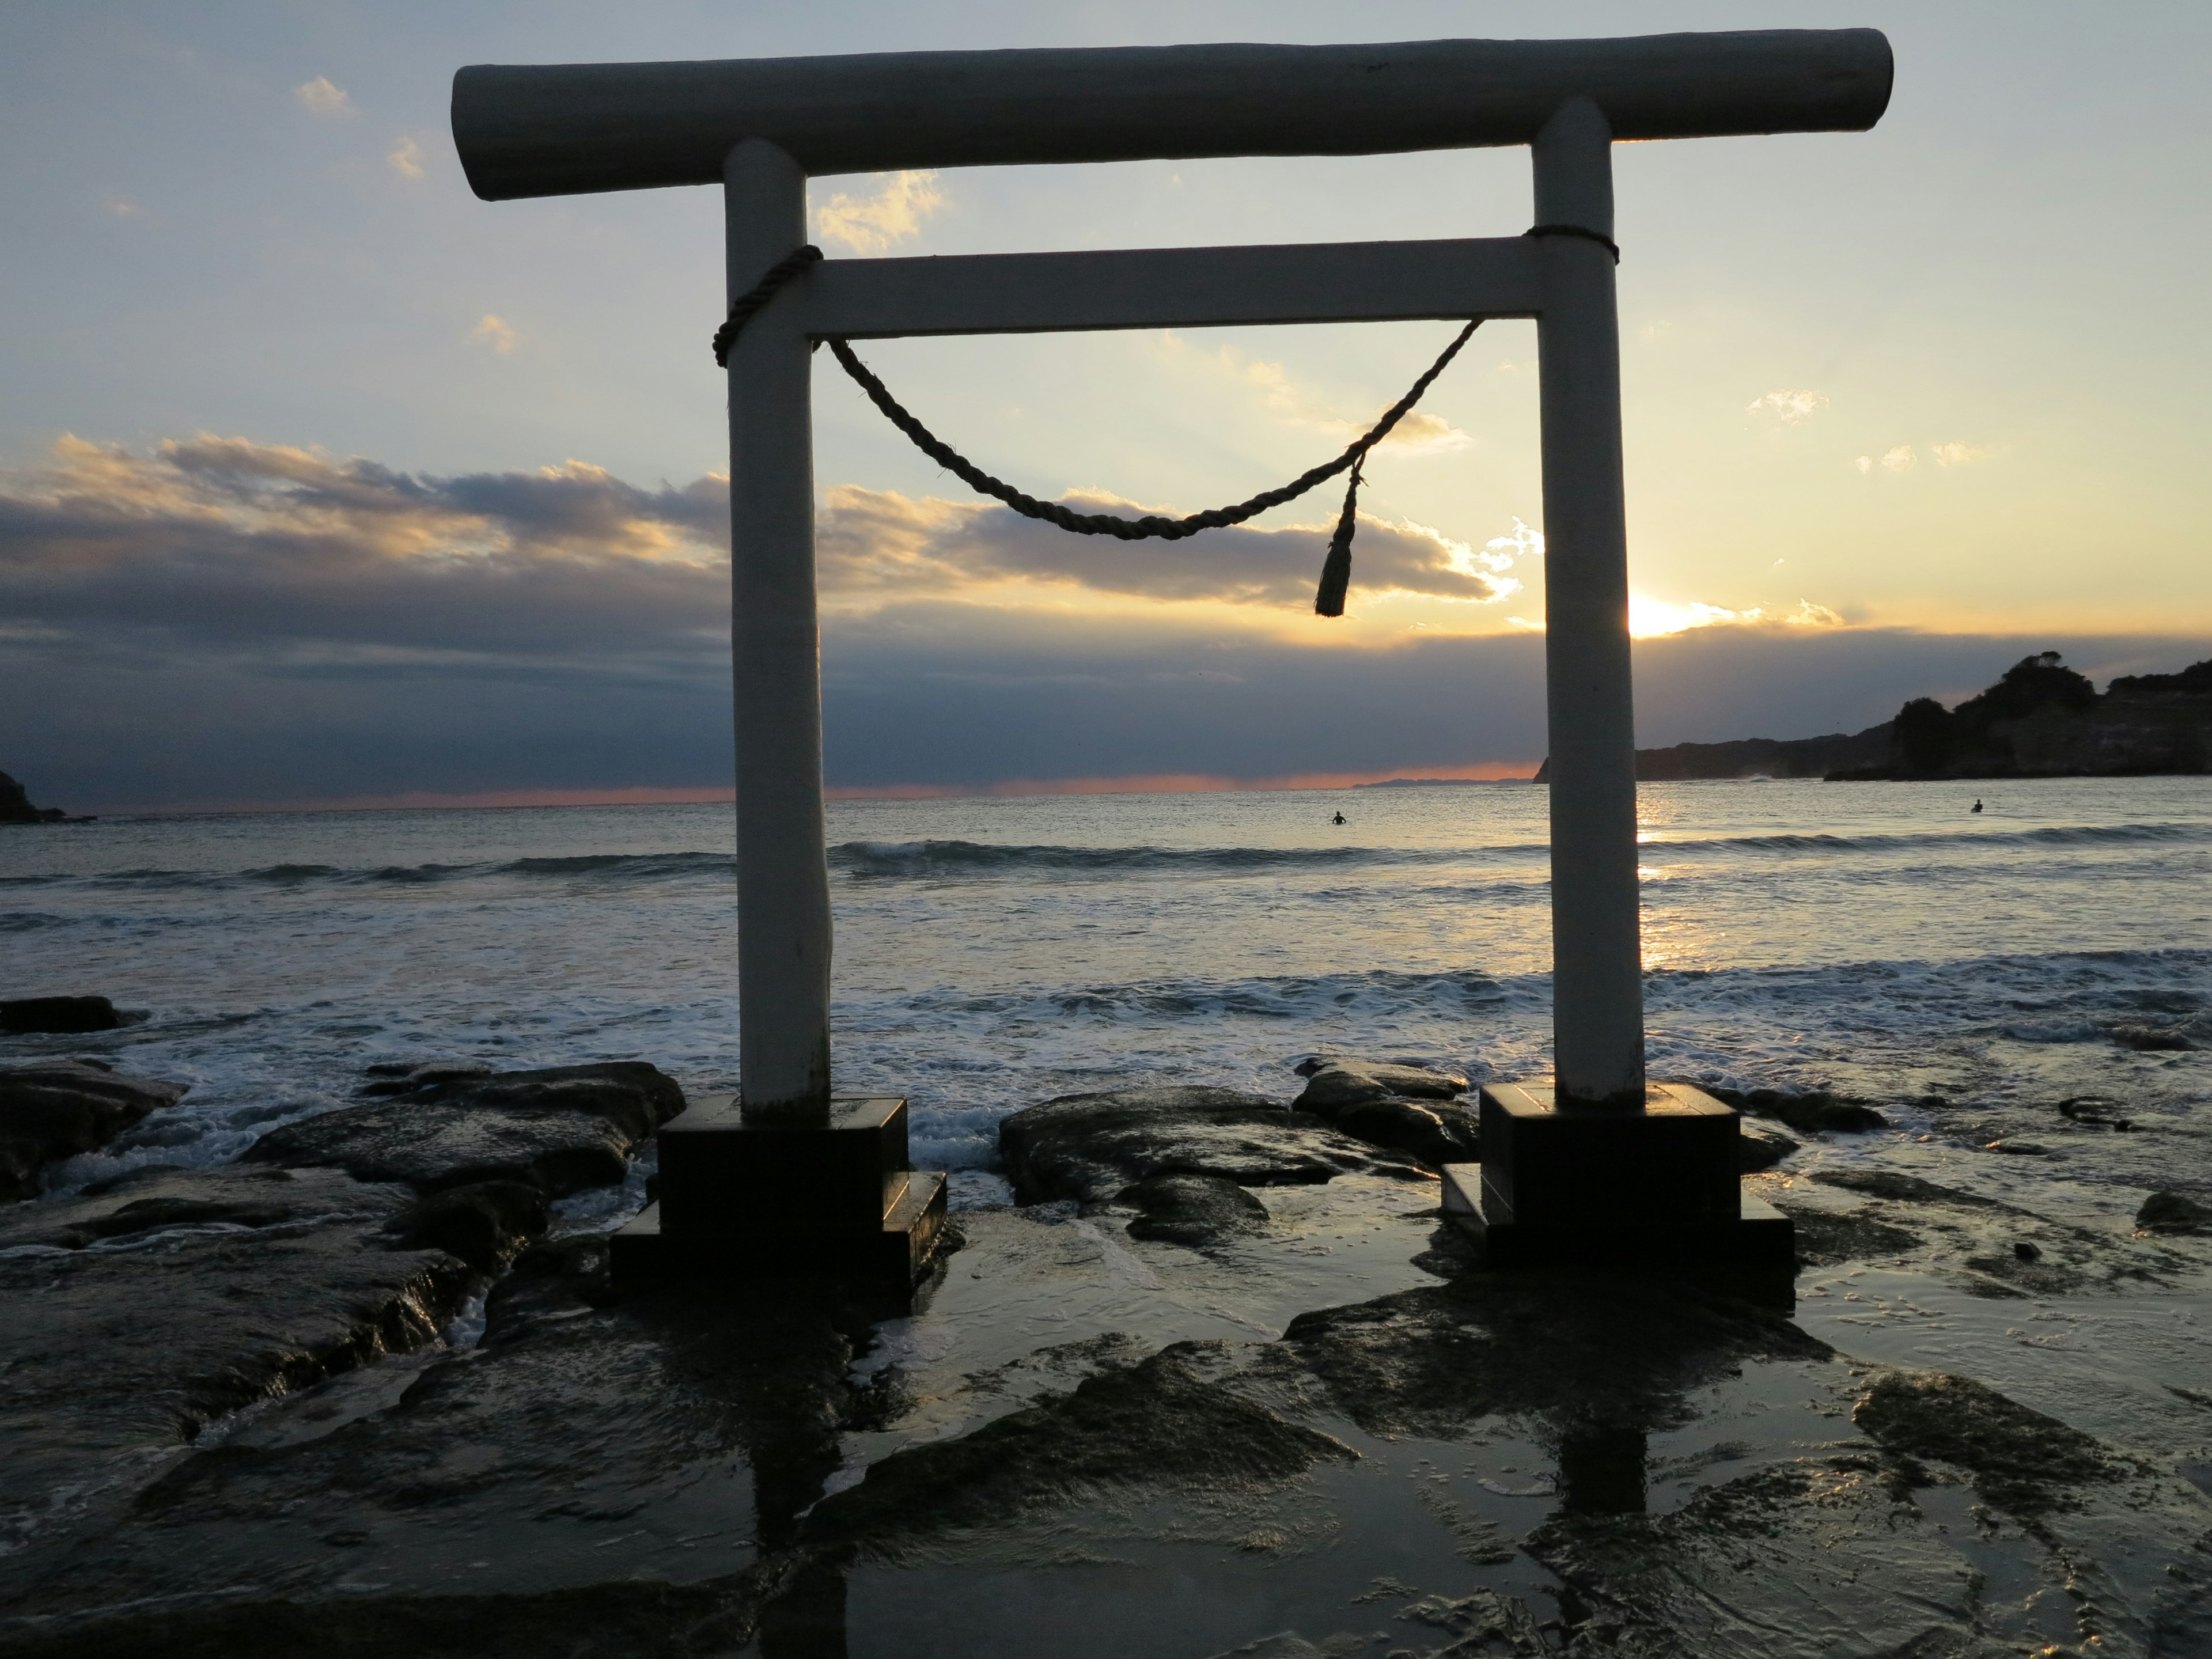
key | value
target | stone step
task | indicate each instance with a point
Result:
(722, 1175)
(887, 1258)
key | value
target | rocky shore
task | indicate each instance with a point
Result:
(1220, 1381)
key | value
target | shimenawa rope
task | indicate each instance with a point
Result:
(1336, 568)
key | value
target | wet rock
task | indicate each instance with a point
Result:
(551, 1280)
(1182, 1209)
(405, 1077)
(139, 1313)
(2174, 1212)
(1792, 1561)
(1900, 1187)
(2093, 1111)
(1622, 1350)
(1761, 1149)
(1483, 1623)
(1825, 1239)
(25, 1015)
(2020, 1459)
(1813, 1112)
(609, 1482)
(1282, 1645)
(61, 1107)
(2151, 1039)
(485, 1222)
(560, 1130)
(713, 1616)
(1335, 1080)
(1335, 1086)
(1091, 1146)
(1155, 1424)
(1432, 1132)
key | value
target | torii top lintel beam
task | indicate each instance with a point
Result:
(557, 129)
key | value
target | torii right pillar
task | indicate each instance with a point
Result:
(1597, 1165)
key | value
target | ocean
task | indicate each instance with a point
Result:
(1877, 939)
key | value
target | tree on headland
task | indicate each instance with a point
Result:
(2040, 719)
(1929, 738)
(1923, 733)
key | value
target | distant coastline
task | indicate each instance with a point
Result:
(1440, 783)
(2041, 719)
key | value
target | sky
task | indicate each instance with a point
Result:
(323, 482)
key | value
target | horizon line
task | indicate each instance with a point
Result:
(1139, 783)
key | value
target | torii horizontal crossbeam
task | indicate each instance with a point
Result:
(555, 129)
(1168, 288)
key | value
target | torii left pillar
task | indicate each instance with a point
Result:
(783, 1180)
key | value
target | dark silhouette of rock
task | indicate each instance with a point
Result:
(2040, 719)
(1329, 1074)
(2019, 1458)
(58, 1109)
(1091, 1146)
(144, 1309)
(15, 807)
(485, 1223)
(67, 1015)
(1814, 1111)
(1392, 1104)
(1188, 1209)
(2151, 1039)
(1157, 1421)
(2174, 1212)
(1432, 1131)
(558, 1130)
(1761, 1149)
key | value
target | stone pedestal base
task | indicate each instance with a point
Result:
(765, 1202)
(1612, 1186)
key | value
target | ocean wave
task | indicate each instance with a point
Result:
(2086, 835)
(612, 868)
(951, 858)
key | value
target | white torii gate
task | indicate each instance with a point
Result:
(752, 1168)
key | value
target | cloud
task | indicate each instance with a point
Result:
(322, 99)
(1958, 454)
(223, 544)
(877, 546)
(1901, 458)
(495, 332)
(1650, 619)
(221, 619)
(1790, 408)
(1418, 432)
(406, 158)
(870, 224)
(1865, 464)
(124, 208)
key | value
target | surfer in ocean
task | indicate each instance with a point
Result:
(1341, 818)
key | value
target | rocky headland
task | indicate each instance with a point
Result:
(15, 807)
(2041, 719)
(1221, 1380)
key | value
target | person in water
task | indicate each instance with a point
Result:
(1341, 818)
(1977, 804)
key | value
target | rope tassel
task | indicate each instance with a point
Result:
(1336, 569)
